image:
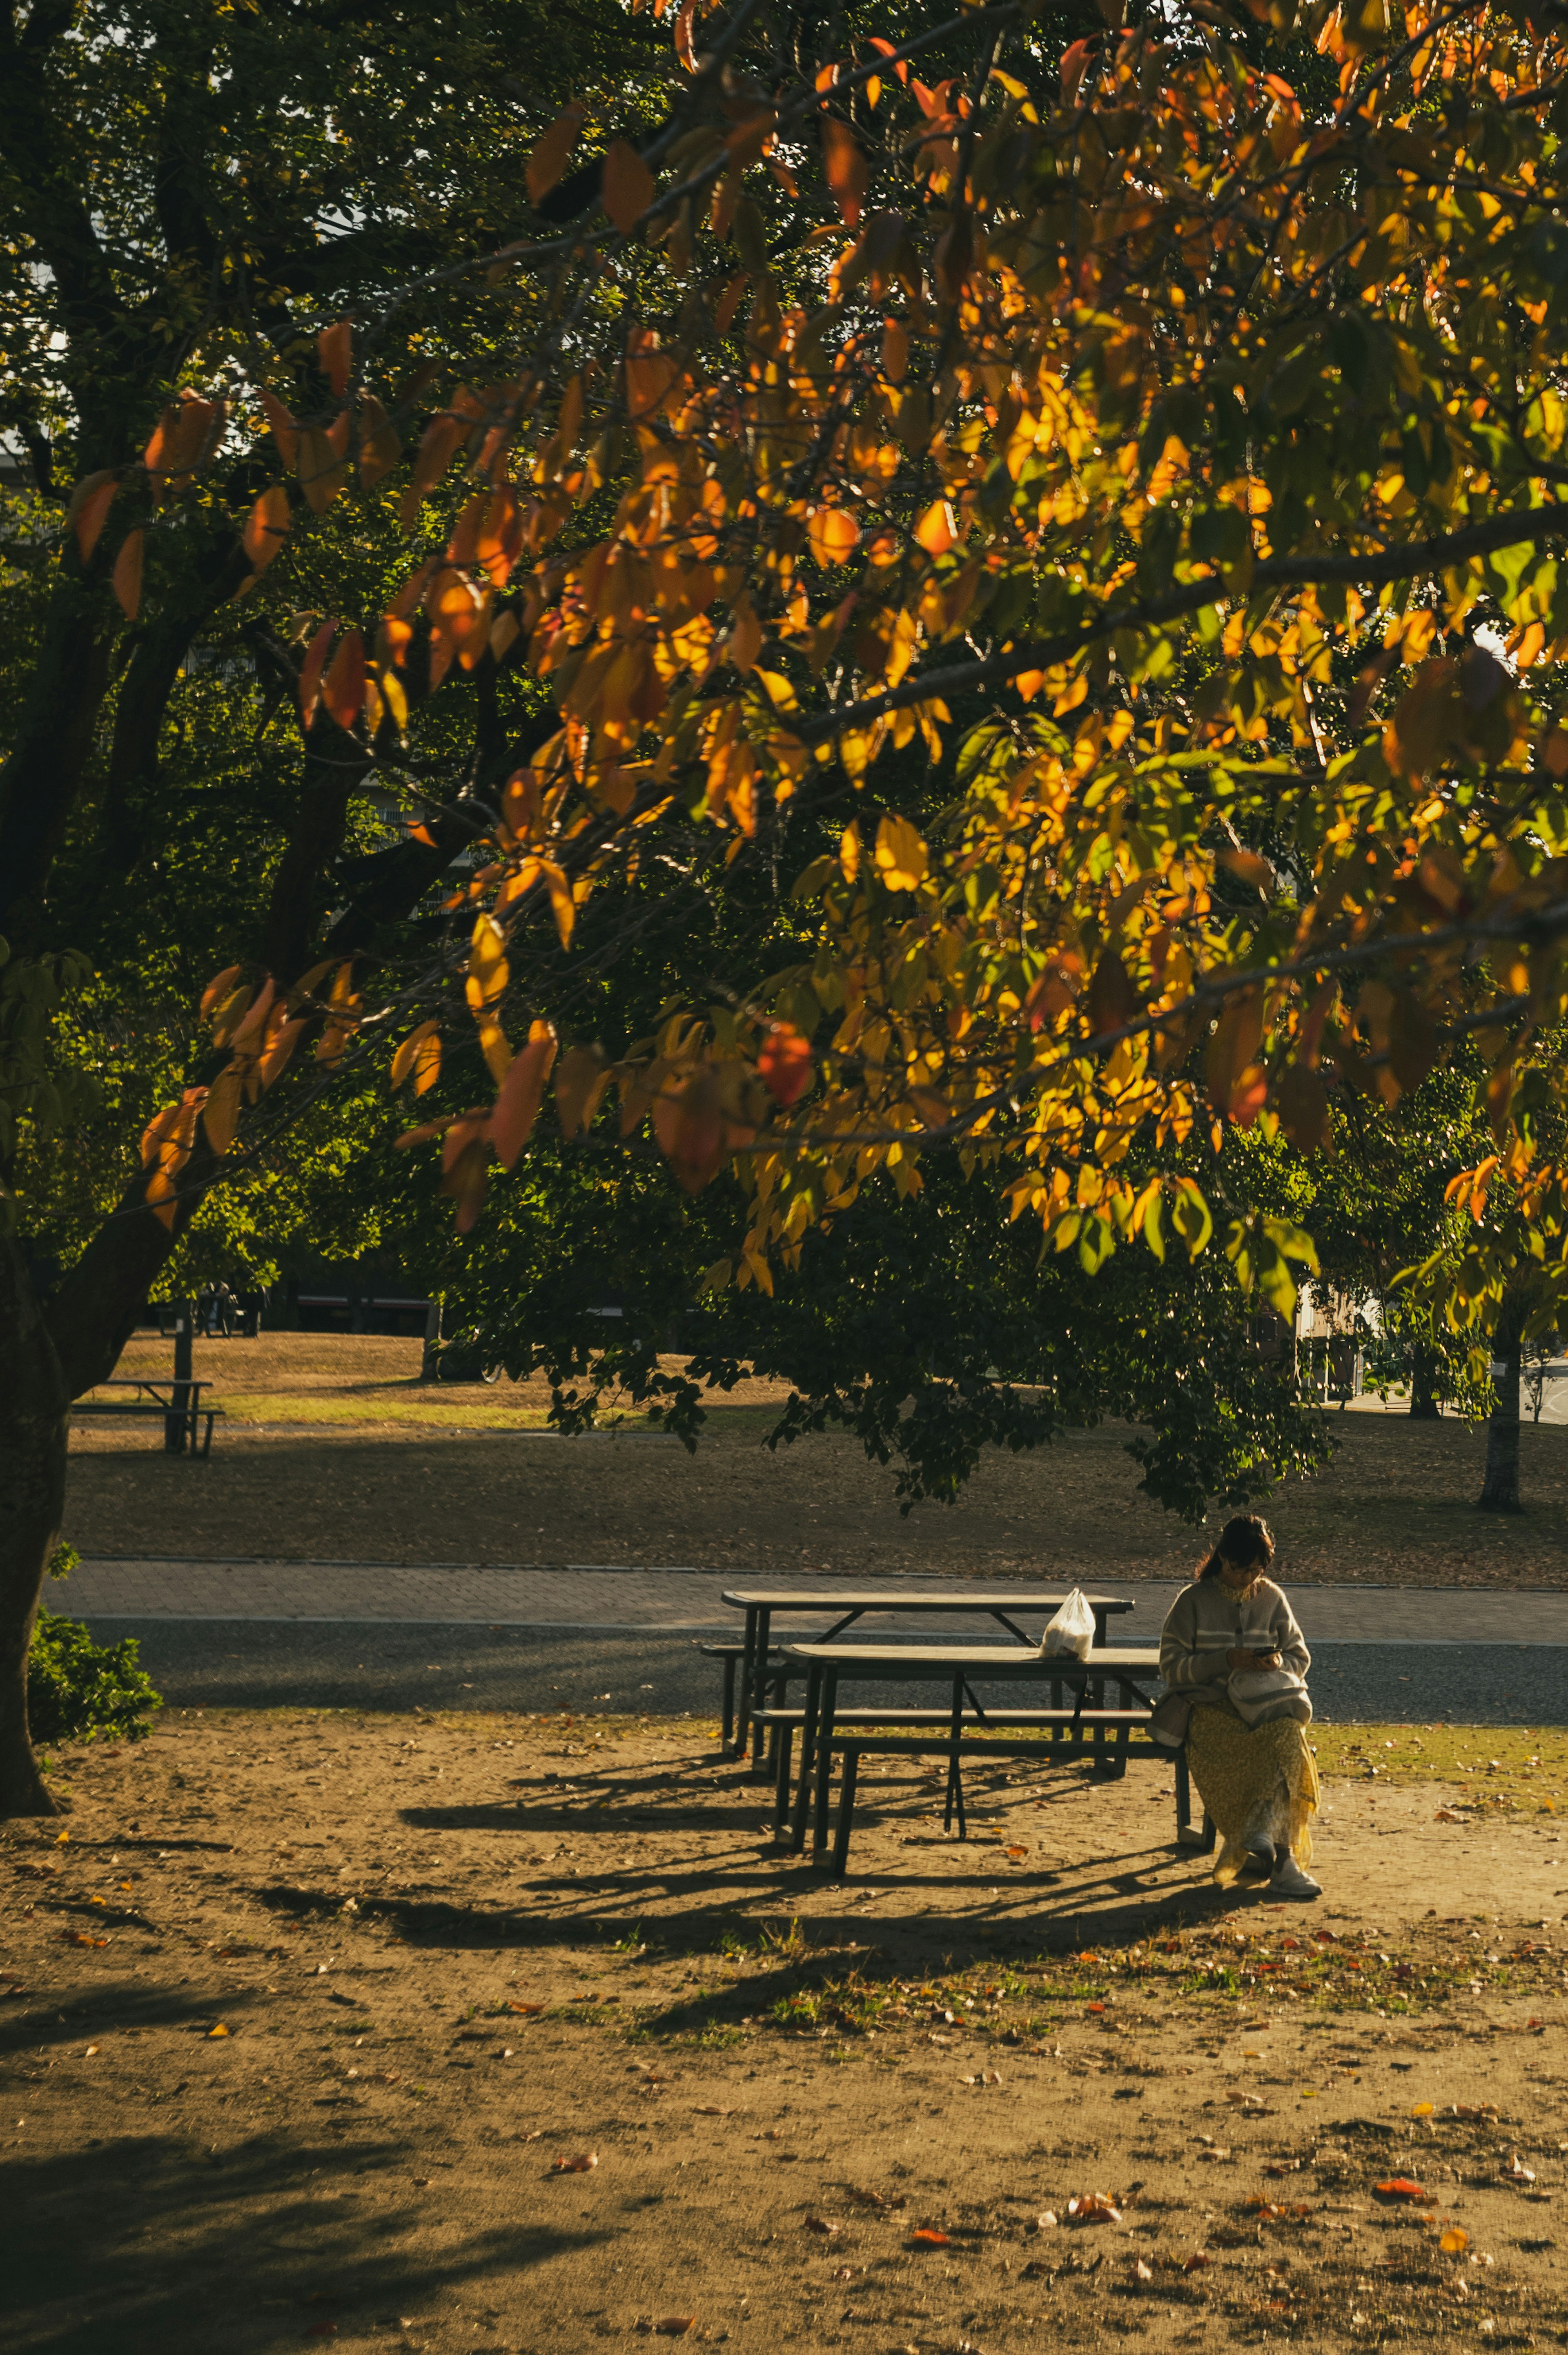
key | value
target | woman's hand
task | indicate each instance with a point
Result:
(1243, 1659)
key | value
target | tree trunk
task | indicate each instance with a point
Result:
(1423, 1405)
(32, 1433)
(1499, 1493)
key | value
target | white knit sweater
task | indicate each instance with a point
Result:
(1204, 1625)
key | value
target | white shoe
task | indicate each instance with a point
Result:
(1289, 1881)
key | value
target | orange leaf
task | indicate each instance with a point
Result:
(217, 987)
(683, 43)
(548, 161)
(285, 432)
(179, 438)
(845, 166)
(1232, 1051)
(334, 348)
(421, 1054)
(927, 2239)
(521, 1093)
(379, 445)
(127, 575)
(580, 1086)
(628, 186)
(321, 470)
(343, 688)
(265, 527)
(785, 1064)
(585, 2164)
(834, 534)
(937, 529)
(1094, 2208)
(310, 669)
(1400, 2187)
(89, 504)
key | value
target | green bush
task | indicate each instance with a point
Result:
(79, 1690)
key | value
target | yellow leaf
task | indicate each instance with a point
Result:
(901, 855)
(488, 972)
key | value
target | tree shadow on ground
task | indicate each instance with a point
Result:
(144, 2242)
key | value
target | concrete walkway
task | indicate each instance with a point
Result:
(611, 1598)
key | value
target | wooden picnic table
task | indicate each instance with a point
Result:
(181, 1408)
(959, 1667)
(849, 1603)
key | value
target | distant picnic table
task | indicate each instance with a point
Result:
(178, 1402)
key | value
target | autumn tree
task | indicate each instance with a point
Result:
(1159, 439)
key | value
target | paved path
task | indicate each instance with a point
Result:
(589, 1597)
(490, 1636)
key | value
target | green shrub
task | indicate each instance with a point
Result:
(79, 1690)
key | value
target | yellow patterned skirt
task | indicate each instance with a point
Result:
(1252, 1778)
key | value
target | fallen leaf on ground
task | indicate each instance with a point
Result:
(1046, 2219)
(528, 2011)
(1516, 2171)
(864, 2199)
(1196, 2262)
(820, 2224)
(1092, 2208)
(1216, 2150)
(1401, 2187)
(1283, 2167)
(675, 2326)
(1455, 2241)
(1423, 2110)
(1142, 2270)
(218, 2030)
(584, 2164)
(90, 2052)
(925, 2238)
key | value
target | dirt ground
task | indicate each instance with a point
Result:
(298, 2047)
(333, 1451)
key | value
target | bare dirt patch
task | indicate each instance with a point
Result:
(310, 2017)
(1395, 1508)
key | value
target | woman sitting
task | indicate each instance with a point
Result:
(1257, 1781)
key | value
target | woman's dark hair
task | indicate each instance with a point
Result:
(1246, 1540)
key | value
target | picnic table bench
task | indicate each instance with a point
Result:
(964, 1726)
(766, 1669)
(181, 1410)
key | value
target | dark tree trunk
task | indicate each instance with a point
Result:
(1424, 1406)
(1499, 1493)
(33, 1403)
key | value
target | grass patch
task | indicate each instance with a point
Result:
(1512, 1767)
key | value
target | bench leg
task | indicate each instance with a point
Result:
(823, 1766)
(783, 1748)
(955, 1770)
(1183, 1799)
(206, 1442)
(807, 1759)
(778, 1696)
(727, 1725)
(846, 1813)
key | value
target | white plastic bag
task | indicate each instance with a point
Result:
(1070, 1634)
